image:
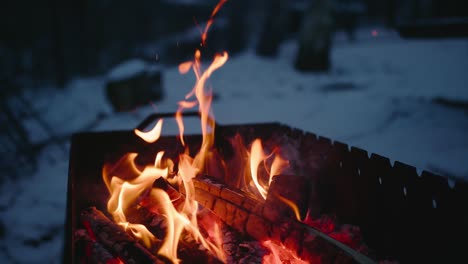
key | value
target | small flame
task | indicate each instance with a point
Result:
(292, 205)
(125, 194)
(211, 20)
(256, 157)
(180, 124)
(277, 167)
(187, 172)
(280, 254)
(152, 135)
(184, 67)
(175, 224)
(203, 100)
(158, 159)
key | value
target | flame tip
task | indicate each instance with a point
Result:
(137, 185)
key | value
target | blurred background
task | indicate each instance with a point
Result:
(388, 76)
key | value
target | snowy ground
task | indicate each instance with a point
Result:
(378, 97)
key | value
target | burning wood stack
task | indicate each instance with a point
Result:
(275, 221)
(170, 211)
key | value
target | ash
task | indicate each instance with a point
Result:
(240, 249)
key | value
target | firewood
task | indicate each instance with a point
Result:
(146, 213)
(188, 248)
(95, 252)
(247, 215)
(115, 239)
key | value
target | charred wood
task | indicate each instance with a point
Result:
(248, 215)
(115, 239)
(95, 252)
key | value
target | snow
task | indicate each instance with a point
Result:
(378, 96)
(127, 70)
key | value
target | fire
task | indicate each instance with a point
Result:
(210, 21)
(280, 254)
(292, 205)
(153, 135)
(129, 185)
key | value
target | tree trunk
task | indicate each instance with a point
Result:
(274, 28)
(315, 38)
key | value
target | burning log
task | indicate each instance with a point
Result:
(247, 215)
(95, 252)
(116, 240)
(107, 235)
(188, 248)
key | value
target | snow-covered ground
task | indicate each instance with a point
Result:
(379, 96)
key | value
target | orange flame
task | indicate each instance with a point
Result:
(211, 20)
(280, 254)
(128, 184)
(175, 224)
(256, 157)
(292, 205)
(152, 135)
(125, 193)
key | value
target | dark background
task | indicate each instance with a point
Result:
(55, 57)
(54, 40)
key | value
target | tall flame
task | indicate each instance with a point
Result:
(257, 156)
(211, 20)
(292, 205)
(128, 185)
(125, 193)
(280, 254)
(279, 164)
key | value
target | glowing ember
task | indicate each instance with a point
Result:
(277, 167)
(280, 254)
(126, 193)
(210, 21)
